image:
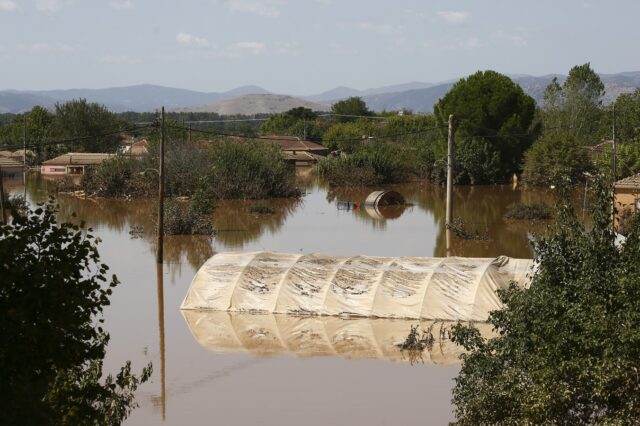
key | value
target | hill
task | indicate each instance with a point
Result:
(257, 104)
(143, 97)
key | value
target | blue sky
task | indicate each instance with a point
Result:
(305, 46)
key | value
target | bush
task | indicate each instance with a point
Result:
(567, 348)
(251, 170)
(372, 164)
(349, 136)
(183, 219)
(261, 209)
(522, 211)
(555, 155)
(627, 156)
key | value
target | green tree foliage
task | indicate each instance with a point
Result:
(300, 122)
(576, 106)
(556, 154)
(250, 170)
(79, 118)
(582, 93)
(353, 106)
(348, 136)
(38, 122)
(489, 107)
(567, 349)
(373, 163)
(52, 294)
(627, 159)
(627, 107)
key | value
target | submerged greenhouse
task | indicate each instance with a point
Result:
(452, 288)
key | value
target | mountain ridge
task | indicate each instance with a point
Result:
(416, 96)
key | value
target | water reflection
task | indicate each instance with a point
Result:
(160, 293)
(313, 336)
(236, 227)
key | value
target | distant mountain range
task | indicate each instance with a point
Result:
(415, 96)
(257, 104)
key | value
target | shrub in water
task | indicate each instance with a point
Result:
(522, 211)
(251, 170)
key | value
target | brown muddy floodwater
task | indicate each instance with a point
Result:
(244, 369)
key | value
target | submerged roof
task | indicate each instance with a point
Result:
(631, 182)
(452, 288)
(9, 163)
(292, 143)
(78, 159)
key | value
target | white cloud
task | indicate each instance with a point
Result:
(51, 5)
(472, 42)
(514, 39)
(269, 8)
(38, 48)
(382, 29)
(453, 17)
(192, 40)
(251, 47)
(119, 60)
(255, 48)
(8, 6)
(121, 4)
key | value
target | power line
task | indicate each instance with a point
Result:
(74, 139)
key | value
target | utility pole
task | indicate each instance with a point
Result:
(449, 206)
(4, 213)
(614, 166)
(24, 143)
(450, 159)
(24, 156)
(160, 254)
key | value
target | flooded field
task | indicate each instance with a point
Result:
(237, 370)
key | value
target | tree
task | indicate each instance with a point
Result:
(553, 105)
(489, 106)
(52, 294)
(627, 107)
(79, 119)
(556, 154)
(301, 122)
(582, 93)
(353, 106)
(567, 350)
(348, 136)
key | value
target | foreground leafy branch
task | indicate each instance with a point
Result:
(52, 294)
(568, 348)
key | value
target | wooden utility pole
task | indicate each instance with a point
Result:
(24, 156)
(449, 205)
(163, 387)
(160, 253)
(450, 159)
(614, 166)
(4, 213)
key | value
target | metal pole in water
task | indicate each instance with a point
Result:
(161, 191)
(449, 206)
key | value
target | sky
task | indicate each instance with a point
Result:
(303, 47)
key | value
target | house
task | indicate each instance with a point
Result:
(139, 148)
(73, 163)
(298, 151)
(19, 155)
(595, 150)
(10, 168)
(626, 193)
